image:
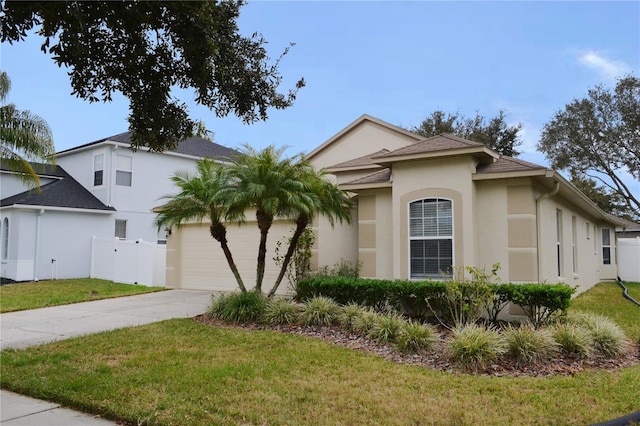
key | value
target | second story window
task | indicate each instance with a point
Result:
(98, 170)
(123, 170)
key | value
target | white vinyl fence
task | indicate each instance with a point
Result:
(129, 262)
(629, 259)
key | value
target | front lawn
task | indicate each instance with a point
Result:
(184, 372)
(41, 294)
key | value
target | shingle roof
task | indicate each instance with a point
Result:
(361, 161)
(64, 192)
(39, 168)
(194, 146)
(441, 142)
(508, 164)
(382, 176)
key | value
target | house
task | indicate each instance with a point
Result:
(423, 208)
(102, 189)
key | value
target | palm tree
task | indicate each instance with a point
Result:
(269, 183)
(24, 137)
(323, 198)
(201, 197)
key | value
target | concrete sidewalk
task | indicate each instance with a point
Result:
(38, 326)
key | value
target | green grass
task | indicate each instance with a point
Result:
(183, 372)
(607, 299)
(21, 296)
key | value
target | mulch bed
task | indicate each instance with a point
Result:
(562, 365)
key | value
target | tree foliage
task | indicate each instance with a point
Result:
(146, 49)
(598, 138)
(608, 200)
(495, 133)
(24, 137)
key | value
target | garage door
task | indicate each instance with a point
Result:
(200, 263)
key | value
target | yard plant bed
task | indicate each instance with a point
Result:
(42, 294)
(437, 359)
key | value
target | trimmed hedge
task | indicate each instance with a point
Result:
(540, 301)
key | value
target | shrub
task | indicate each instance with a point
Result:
(542, 303)
(343, 268)
(573, 339)
(365, 322)
(320, 310)
(238, 307)
(527, 345)
(473, 347)
(349, 316)
(386, 327)
(280, 311)
(415, 337)
(608, 338)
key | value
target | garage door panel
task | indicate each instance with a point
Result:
(203, 265)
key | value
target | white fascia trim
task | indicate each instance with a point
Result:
(39, 175)
(61, 209)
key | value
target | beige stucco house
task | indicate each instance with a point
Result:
(423, 207)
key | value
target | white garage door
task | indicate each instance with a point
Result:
(203, 266)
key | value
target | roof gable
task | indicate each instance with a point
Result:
(360, 121)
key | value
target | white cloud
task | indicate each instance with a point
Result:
(608, 69)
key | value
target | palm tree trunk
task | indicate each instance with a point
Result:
(264, 224)
(219, 233)
(301, 225)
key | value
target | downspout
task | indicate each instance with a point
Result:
(539, 201)
(36, 256)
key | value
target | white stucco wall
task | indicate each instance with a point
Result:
(36, 237)
(151, 173)
(11, 184)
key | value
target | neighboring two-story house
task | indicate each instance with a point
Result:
(101, 189)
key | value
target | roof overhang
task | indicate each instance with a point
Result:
(358, 186)
(353, 168)
(52, 208)
(483, 153)
(509, 175)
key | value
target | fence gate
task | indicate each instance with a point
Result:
(127, 261)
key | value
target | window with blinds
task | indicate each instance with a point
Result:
(431, 238)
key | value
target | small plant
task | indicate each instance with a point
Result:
(349, 316)
(300, 264)
(342, 268)
(573, 339)
(473, 347)
(527, 345)
(365, 322)
(320, 310)
(608, 338)
(280, 311)
(414, 337)
(387, 327)
(238, 307)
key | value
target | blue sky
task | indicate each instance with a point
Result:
(397, 61)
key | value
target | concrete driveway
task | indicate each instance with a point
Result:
(37, 326)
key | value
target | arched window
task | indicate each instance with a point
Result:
(5, 239)
(430, 238)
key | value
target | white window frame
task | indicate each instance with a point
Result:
(96, 170)
(574, 243)
(445, 274)
(559, 237)
(5, 239)
(607, 246)
(116, 228)
(119, 170)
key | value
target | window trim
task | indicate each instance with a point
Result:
(574, 243)
(130, 157)
(410, 238)
(102, 184)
